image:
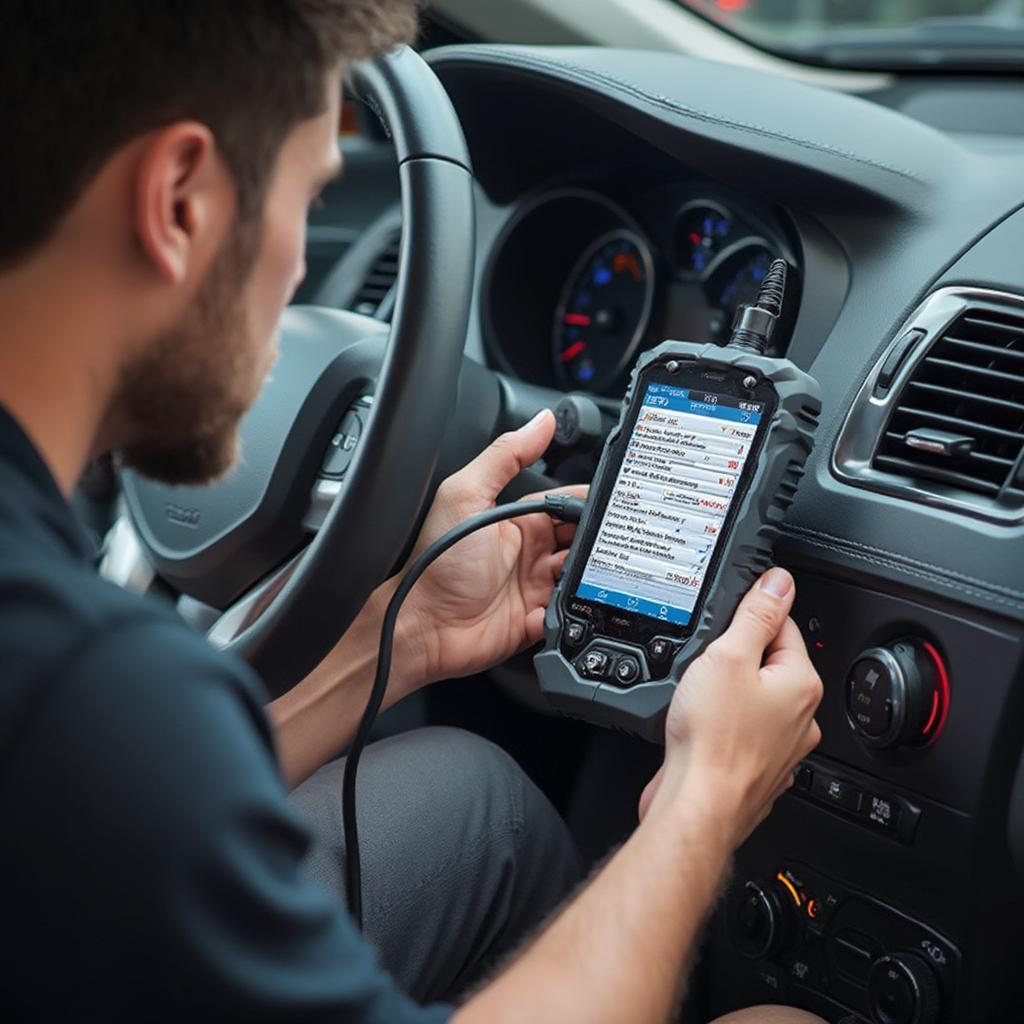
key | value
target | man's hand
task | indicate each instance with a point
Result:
(484, 600)
(742, 716)
(475, 606)
(740, 720)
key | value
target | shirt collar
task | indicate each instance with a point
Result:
(18, 453)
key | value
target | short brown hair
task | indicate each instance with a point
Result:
(81, 78)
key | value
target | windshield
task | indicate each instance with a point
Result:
(880, 33)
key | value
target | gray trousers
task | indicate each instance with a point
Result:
(462, 856)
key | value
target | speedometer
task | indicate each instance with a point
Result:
(603, 311)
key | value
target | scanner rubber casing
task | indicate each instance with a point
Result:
(745, 552)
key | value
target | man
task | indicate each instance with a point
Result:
(160, 159)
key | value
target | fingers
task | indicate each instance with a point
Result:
(788, 647)
(533, 626)
(556, 561)
(494, 468)
(759, 617)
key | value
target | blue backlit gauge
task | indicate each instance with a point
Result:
(703, 230)
(737, 280)
(603, 311)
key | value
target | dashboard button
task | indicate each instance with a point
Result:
(342, 448)
(909, 817)
(883, 811)
(804, 776)
(837, 792)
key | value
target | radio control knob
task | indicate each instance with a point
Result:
(897, 695)
(903, 990)
(762, 919)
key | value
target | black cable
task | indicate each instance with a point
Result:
(752, 326)
(559, 506)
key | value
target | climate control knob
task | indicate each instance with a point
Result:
(762, 919)
(897, 695)
(903, 990)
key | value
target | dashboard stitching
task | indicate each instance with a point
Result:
(700, 115)
(1010, 591)
(933, 577)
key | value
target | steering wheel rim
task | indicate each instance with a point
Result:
(387, 483)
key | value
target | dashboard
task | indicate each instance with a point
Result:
(579, 282)
(625, 197)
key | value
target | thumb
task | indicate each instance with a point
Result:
(493, 469)
(761, 614)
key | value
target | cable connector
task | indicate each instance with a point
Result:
(753, 325)
(564, 507)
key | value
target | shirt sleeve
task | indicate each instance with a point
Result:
(155, 862)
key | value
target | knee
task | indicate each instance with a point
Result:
(769, 1015)
(469, 787)
(443, 781)
(468, 782)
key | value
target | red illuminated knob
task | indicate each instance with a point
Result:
(898, 695)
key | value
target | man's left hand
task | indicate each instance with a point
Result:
(484, 600)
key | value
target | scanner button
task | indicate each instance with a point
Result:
(627, 670)
(575, 632)
(660, 648)
(594, 664)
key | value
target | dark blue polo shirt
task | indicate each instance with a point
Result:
(150, 864)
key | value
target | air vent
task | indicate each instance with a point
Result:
(375, 296)
(944, 425)
(960, 417)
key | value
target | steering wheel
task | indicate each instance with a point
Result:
(377, 403)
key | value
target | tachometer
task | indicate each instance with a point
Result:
(604, 310)
(736, 281)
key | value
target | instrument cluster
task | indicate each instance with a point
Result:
(579, 284)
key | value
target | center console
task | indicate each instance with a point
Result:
(881, 890)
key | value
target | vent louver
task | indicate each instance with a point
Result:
(959, 419)
(375, 296)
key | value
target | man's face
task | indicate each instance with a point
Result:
(180, 402)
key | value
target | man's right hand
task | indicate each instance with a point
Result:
(742, 716)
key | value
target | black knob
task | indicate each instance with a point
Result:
(762, 919)
(578, 423)
(903, 990)
(897, 695)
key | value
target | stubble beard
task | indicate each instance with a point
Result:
(178, 406)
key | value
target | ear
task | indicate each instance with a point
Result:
(183, 199)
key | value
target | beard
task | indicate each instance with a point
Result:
(178, 404)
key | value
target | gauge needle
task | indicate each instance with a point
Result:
(573, 351)
(577, 319)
